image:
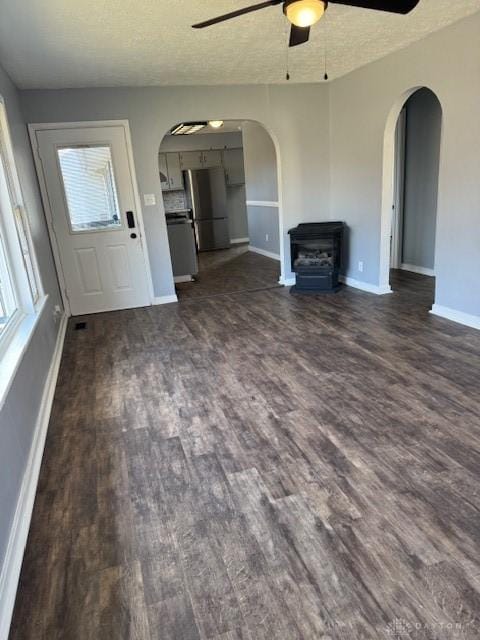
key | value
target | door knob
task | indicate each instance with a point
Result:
(133, 236)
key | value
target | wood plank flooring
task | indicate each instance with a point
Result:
(230, 271)
(261, 466)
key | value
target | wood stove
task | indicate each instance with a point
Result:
(316, 250)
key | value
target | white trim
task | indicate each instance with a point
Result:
(262, 252)
(239, 240)
(16, 347)
(424, 271)
(467, 319)
(42, 126)
(398, 190)
(21, 521)
(262, 203)
(138, 205)
(163, 300)
(388, 166)
(287, 282)
(21, 222)
(365, 286)
(182, 279)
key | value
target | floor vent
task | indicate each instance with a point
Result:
(80, 325)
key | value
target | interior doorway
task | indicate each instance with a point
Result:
(220, 193)
(415, 192)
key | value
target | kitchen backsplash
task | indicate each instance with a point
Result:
(174, 200)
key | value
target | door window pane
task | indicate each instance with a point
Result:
(90, 190)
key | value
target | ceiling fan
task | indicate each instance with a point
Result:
(304, 13)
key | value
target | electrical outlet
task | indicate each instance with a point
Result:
(360, 266)
(266, 237)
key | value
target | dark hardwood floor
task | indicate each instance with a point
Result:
(261, 465)
(230, 271)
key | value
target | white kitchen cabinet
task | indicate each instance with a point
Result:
(191, 160)
(162, 167)
(175, 177)
(212, 158)
(233, 165)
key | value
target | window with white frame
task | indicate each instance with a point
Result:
(19, 282)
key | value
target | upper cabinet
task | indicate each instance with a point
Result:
(162, 166)
(170, 172)
(191, 159)
(233, 164)
(172, 164)
(200, 159)
(175, 177)
(212, 158)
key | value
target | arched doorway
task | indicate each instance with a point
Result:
(220, 189)
(410, 192)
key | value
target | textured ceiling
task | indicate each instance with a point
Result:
(80, 43)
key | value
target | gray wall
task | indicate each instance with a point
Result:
(261, 178)
(237, 209)
(360, 105)
(422, 156)
(237, 212)
(263, 228)
(19, 413)
(152, 111)
(261, 183)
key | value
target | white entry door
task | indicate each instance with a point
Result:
(94, 219)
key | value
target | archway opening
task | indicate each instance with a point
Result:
(220, 195)
(411, 171)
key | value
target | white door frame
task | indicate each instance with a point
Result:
(32, 130)
(398, 194)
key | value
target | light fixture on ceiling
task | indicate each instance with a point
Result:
(216, 124)
(304, 13)
(187, 128)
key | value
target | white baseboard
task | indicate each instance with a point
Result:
(366, 286)
(424, 271)
(17, 540)
(351, 282)
(163, 300)
(239, 240)
(262, 252)
(182, 279)
(467, 319)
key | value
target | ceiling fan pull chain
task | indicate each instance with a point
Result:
(325, 51)
(287, 75)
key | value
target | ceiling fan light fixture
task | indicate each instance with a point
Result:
(215, 124)
(304, 13)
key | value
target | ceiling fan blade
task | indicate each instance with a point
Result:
(235, 14)
(298, 35)
(392, 6)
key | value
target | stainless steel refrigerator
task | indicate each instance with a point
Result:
(207, 198)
